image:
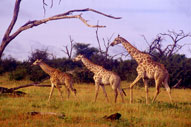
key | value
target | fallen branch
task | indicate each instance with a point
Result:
(28, 85)
(6, 90)
(60, 115)
(12, 90)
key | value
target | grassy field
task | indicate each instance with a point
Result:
(84, 113)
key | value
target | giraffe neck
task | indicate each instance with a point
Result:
(134, 52)
(90, 65)
(49, 70)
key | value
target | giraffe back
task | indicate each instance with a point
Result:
(61, 77)
(152, 69)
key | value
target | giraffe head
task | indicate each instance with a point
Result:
(78, 57)
(116, 41)
(37, 62)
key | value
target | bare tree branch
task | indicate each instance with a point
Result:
(175, 37)
(44, 4)
(98, 41)
(14, 19)
(145, 40)
(67, 51)
(106, 44)
(7, 38)
(170, 49)
(88, 9)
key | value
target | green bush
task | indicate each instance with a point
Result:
(8, 65)
(37, 74)
(18, 74)
(82, 75)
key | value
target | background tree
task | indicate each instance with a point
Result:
(85, 49)
(8, 65)
(69, 50)
(107, 43)
(157, 49)
(39, 54)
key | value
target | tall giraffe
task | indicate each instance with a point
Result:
(102, 77)
(147, 69)
(57, 78)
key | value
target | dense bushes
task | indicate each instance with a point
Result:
(8, 65)
(178, 66)
(18, 74)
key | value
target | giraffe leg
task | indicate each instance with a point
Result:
(73, 90)
(51, 91)
(68, 91)
(69, 84)
(104, 91)
(157, 82)
(96, 91)
(60, 92)
(116, 94)
(131, 87)
(121, 93)
(146, 89)
(168, 90)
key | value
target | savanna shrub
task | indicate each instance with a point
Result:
(18, 74)
(82, 75)
(37, 74)
(8, 65)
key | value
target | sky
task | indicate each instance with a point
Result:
(139, 17)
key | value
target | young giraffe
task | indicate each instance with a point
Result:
(147, 69)
(102, 77)
(57, 78)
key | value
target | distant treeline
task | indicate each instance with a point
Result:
(178, 66)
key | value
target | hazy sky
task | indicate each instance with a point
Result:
(139, 17)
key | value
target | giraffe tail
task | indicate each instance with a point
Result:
(124, 92)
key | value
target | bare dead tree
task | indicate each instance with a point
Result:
(175, 37)
(45, 5)
(170, 49)
(10, 35)
(154, 46)
(106, 44)
(68, 51)
(98, 41)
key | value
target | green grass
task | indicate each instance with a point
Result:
(84, 113)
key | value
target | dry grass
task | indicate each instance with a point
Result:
(83, 112)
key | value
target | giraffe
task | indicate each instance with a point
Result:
(102, 77)
(57, 78)
(146, 69)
